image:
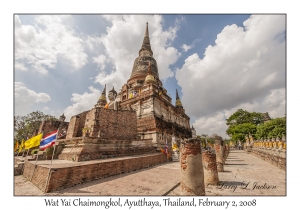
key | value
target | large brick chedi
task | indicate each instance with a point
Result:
(191, 168)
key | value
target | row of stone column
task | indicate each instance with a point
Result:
(199, 168)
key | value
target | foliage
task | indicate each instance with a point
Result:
(242, 123)
(273, 128)
(49, 150)
(238, 132)
(86, 129)
(207, 139)
(242, 116)
(26, 126)
(35, 151)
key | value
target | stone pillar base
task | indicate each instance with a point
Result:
(210, 168)
(175, 156)
(191, 168)
(220, 167)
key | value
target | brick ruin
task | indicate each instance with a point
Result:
(191, 168)
(141, 110)
(103, 133)
(139, 121)
(210, 167)
(271, 150)
(104, 123)
(219, 148)
(157, 117)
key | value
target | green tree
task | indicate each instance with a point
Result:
(242, 123)
(273, 128)
(26, 126)
(243, 116)
(238, 132)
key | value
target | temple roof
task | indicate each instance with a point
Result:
(140, 65)
(266, 116)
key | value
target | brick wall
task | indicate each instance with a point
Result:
(49, 126)
(277, 158)
(68, 176)
(104, 123)
(93, 149)
(39, 177)
(118, 124)
(76, 124)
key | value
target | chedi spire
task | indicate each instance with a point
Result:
(178, 102)
(102, 100)
(146, 46)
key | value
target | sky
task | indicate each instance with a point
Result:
(218, 63)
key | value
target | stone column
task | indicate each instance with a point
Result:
(210, 167)
(219, 155)
(227, 148)
(191, 168)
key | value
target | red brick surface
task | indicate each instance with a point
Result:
(68, 175)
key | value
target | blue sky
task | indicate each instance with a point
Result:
(218, 63)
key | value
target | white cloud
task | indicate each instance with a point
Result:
(273, 103)
(100, 61)
(244, 69)
(124, 40)
(52, 37)
(24, 98)
(82, 102)
(21, 67)
(188, 47)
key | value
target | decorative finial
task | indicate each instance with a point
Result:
(104, 90)
(146, 32)
(146, 46)
(178, 102)
(177, 96)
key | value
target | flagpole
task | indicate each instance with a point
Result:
(51, 161)
(27, 152)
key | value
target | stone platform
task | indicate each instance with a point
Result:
(65, 173)
(88, 148)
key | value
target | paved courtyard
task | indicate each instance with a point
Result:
(244, 174)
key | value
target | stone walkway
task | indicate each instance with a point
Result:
(246, 174)
(242, 172)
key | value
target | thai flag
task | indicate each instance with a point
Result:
(48, 140)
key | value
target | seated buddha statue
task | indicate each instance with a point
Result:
(112, 104)
(274, 143)
(269, 144)
(279, 143)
